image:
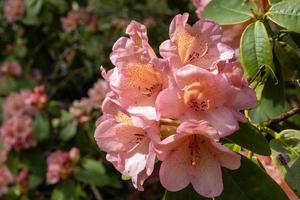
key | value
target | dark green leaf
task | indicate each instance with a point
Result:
(41, 127)
(255, 48)
(251, 138)
(285, 156)
(68, 132)
(186, 194)
(35, 161)
(65, 191)
(229, 12)
(286, 14)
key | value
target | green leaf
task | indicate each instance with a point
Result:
(288, 58)
(66, 117)
(35, 161)
(251, 138)
(249, 182)
(255, 48)
(41, 127)
(229, 12)
(33, 8)
(271, 2)
(68, 132)
(285, 156)
(93, 166)
(34, 181)
(286, 14)
(65, 191)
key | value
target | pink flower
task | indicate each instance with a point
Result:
(200, 94)
(199, 44)
(6, 178)
(74, 155)
(4, 149)
(59, 167)
(13, 10)
(194, 156)
(81, 110)
(37, 98)
(200, 5)
(98, 92)
(17, 133)
(128, 141)
(137, 77)
(70, 22)
(11, 68)
(13, 105)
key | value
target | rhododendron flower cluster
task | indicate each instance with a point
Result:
(13, 10)
(11, 68)
(175, 108)
(61, 165)
(81, 108)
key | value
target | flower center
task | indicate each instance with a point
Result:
(143, 78)
(191, 46)
(197, 97)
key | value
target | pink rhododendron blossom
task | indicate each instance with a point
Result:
(59, 166)
(137, 78)
(199, 44)
(98, 92)
(11, 68)
(13, 105)
(75, 18)
(194, 156)
(200, 5)
(6, 178)
(81, 109)
(4, 149)
(74, 155)
(128, 141)
(17, 133)
(13, 10)
(37, 97)
(200, 94)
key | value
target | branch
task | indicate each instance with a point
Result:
(283, 116)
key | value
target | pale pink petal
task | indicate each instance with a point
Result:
(169, 103)
(174, 169)
(178, 22)
(223, 120)
(206, 177)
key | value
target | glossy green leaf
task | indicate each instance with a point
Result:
(255, 48)
(288, 58)
(229, 12)
(286, 14)
(285, 156)
(68, 132)
(65, 191)
(249, 182)
(41, 127)
(251, 138)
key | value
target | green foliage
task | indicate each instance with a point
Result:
(229, 12)
(286, 157)
(41, 127)
(256, 48)
(286, 14)
(251, 138)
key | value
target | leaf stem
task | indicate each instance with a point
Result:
(283, 116)
(269, 131)
(96, 193)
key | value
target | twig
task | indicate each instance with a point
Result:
(283, 116)
(96, 193)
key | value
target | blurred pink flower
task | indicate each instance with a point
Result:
(15, 105)
(128, 141)
(200, 5)
(11, 68)
(4, 149)
(6, 178)
(70, 22)
(75, 18)
(13, 10)
(22, 180)
(98, 92)
(199, 45)
(74, 155)
(37, 98)
(17, 133)
(193, 156)
(59, 167)
(81, 110)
